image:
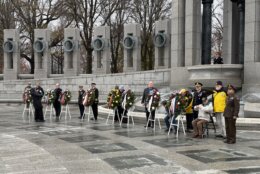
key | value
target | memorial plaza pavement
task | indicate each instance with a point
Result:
(73, 146)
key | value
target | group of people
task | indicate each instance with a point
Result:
(88, 98)
(35, 96)
(198, 106)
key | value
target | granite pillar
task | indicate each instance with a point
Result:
(11, 50)
(178, 34)
(206, 31)
(193, 33)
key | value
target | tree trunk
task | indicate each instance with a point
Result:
(89, 61)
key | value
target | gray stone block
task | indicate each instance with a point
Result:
(42, 53)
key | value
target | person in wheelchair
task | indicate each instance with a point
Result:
(204, 110)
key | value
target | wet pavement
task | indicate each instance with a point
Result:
(75, 146)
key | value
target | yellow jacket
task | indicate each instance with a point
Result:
(219, 101)
(188, 109)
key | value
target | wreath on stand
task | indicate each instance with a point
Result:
(182, 103)
(89, 97)
(66, 97)
(50, 97)
(27, 96)
(156, 99)
(114, 98)
(128, 100)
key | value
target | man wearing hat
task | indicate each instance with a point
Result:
(199, 93)
(219, 104)
(95, 103)
(231, 114)
(80, 101)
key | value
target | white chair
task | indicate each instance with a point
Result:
(179, 120)
(49, 108)
(154, 120)
(29, 109)
(128, 115)
(87, 112)
(66, 111)
(112, 113)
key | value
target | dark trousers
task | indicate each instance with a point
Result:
(147, 116)
(167, 119)
(189, 119)
(81, 109)
(195, 115)
(57, 107)
(27, 104)
(125, 113)
(38, 113)
(119, 113)
(230, 129)
(94, 107)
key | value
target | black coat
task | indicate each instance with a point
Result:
(218, 60)
(197, 97)
(146, 95)
(57, 92)
(37, 94)
(96, 95)
(80, 97)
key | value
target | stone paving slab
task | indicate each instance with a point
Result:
(76, 146)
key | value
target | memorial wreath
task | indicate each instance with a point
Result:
(114, 98)
(129, 100)
(27, 97)
(89, 97)
(50, 96)
(156, 99)
(66, 97)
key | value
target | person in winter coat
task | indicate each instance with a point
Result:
(37, 94)
(219, 104)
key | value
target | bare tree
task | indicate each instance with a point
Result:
(116, 23)
(217, 26)
(146, 12)
(32, 14)
(6, 22)
(87, 14)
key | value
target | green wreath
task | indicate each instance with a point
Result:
(156, 99)
(67, 96)
(130, 99)
(114, 98)
(27, 97)
(50, 95)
